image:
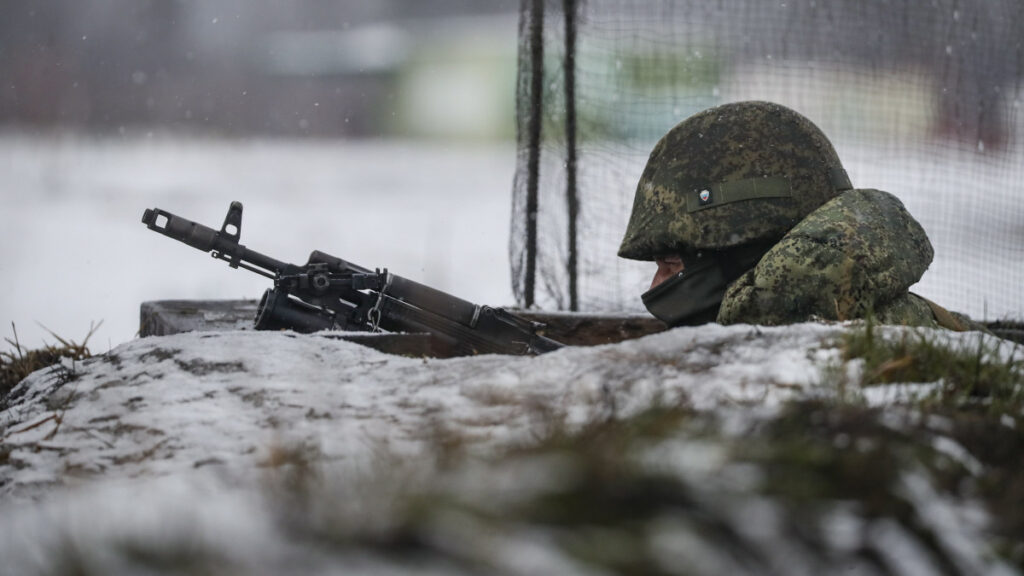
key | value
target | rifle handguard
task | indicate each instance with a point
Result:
(277, 311)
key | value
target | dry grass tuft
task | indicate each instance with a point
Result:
(17, 364)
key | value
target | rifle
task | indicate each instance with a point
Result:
(328, 293)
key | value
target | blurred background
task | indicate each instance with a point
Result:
(258, 67)
(395, 134)
(380, 132)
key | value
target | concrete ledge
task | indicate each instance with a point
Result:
(166, 317)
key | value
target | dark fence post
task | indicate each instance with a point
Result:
(572, 196)
(536, 32)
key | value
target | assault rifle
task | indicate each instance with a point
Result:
(328, 293)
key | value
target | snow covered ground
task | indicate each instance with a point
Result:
(276, 453)
(168, 405)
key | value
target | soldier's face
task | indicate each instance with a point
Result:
(668, 266)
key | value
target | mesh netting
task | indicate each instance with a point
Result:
(921, 99)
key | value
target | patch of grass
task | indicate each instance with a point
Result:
(980, 373)
(610, 493)
(997, 444)
(817, 456)
(978, 403)
(19, 363)
(184, 554)
(816, 451)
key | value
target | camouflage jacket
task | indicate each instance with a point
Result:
(854, 256)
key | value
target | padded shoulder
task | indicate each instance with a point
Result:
(857, 253)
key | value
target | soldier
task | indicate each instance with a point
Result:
(751, 218)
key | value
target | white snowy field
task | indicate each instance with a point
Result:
(275, 453)
(73, 250)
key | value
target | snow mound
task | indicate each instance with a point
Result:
(270, 453)
(168, 405)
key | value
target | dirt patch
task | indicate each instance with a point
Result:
(160, 354)
(201, 367)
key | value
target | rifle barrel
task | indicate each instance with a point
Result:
(207, 239)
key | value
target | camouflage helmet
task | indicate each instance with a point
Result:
(729, 176)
